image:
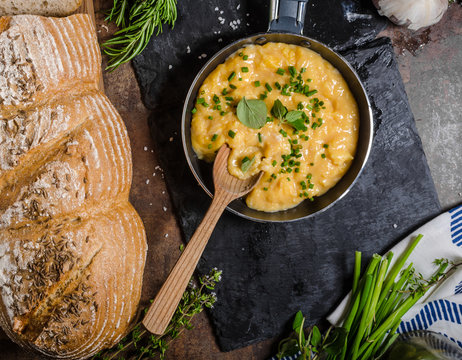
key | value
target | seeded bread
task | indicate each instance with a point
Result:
(39, 7)
(72, 248)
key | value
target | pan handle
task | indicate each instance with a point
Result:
(287, 16)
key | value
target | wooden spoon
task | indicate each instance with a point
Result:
(227, 189)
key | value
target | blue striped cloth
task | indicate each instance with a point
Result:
(441, 308)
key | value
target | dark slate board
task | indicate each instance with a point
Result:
(273, 270)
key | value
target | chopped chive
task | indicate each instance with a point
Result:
(303, 184)
(232, 86)
(309, 80)
(265, 189)
(297, 170)
(288, 179)
(241, 54)
(311, 186)
(210, 117)
(309, 176)
(305, 194)
(231, 76)
(323, 156)
(274, 163)
(218, 107)
(229, 98)
(222, 113)
(194, 110)
(224, 91)
(244, 69)
(283, 132)
(311, 164)
(267, 86)
(325, 146)
(278, 86)
(280, 71)
(200, 100)
(214, 137)
(269, 119)
(300, 106)
(259, 138)
(256, 83)
(311, 93)
(245, 57)
(216, 99)
(302, 70)
(231, 134)
(209, 146)
(292, 71)
(240, 79)
(263, 96)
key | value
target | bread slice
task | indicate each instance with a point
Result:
(39, 7)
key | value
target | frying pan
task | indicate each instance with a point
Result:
(286, 26)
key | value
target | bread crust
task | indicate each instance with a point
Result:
(72, 248)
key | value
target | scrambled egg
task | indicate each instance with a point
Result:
(297, 164)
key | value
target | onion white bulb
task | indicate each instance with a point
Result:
(415, 14)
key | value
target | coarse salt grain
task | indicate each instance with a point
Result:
(145, 148)
(166, 235)
(171, 139)
(188, 49)
(170, 67)
(147, 181)
(164, 208)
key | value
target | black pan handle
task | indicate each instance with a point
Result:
(287, 16)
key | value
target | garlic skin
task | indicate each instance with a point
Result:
(415, 14)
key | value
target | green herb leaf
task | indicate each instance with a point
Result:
(316, 337)
(252, 113)
(278, 110)
(247, 163)
(298, 321)
(295, 119)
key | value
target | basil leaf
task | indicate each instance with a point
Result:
(247, 163)
(296, 120)
(252, 113)
(278, 110)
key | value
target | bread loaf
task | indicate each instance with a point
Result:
(39, 7)
(72, 248)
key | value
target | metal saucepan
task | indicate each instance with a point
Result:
(286, 25)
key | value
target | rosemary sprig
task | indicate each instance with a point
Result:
(137, 20)
(380, 298)
(140, 344)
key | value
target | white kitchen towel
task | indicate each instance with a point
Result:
(440, 310)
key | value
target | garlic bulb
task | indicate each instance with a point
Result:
(415, 14)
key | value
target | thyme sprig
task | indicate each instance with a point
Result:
(380, 298)
(138, 20)
(140, 344)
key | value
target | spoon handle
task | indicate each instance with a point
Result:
(161, 310)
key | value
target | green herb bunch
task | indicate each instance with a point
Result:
(138, 20)
(141, 344)
(380, 298)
